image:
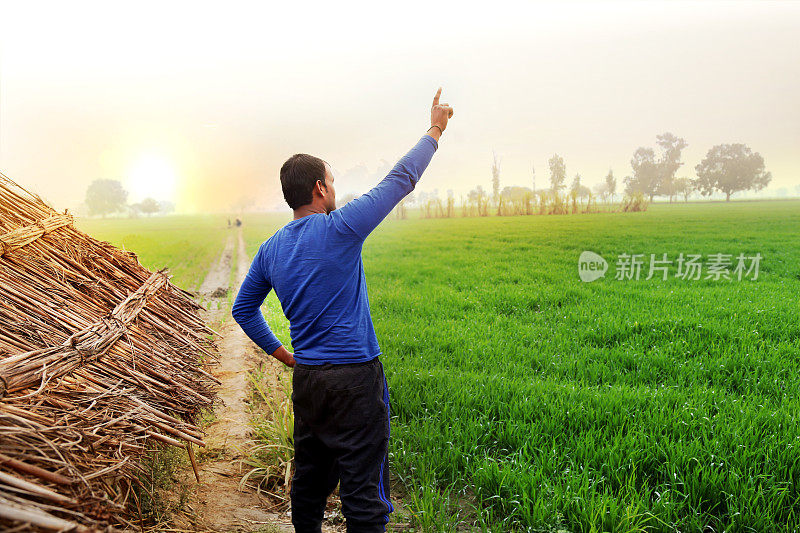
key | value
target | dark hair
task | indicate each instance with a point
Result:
(299, 175)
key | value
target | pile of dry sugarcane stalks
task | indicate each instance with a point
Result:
(98, 356)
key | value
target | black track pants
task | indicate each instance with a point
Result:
(341, 435)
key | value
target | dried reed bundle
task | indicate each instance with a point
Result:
(98, 355)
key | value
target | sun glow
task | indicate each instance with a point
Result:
(152, 175)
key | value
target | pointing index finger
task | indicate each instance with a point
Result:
(436, 98)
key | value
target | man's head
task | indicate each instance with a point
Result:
(308, 180)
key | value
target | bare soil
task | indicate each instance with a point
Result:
(215, 286)
(216, 503)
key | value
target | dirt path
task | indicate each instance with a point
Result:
(215, 286)
(216, 503)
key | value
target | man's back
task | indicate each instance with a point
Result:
(314, 265)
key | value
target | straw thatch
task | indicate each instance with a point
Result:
(98, 356)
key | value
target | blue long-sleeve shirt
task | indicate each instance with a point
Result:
(314, 265)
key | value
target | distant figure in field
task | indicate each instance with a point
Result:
(340, 394)
(238, 222)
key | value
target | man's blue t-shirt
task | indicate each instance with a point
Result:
(314, 265)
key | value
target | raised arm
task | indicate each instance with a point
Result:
(247, 312)
(363, 214)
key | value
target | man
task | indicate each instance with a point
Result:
(340, 395)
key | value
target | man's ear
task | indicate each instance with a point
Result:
(320, 187)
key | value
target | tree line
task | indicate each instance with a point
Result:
(105, 197)
(726, 168)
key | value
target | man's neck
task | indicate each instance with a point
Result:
(308, 209)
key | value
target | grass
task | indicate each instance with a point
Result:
(186, 244)
(271, 459)
(610, 406)
(158, 478)
(526, 400)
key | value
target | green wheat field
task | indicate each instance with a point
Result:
(526, 400)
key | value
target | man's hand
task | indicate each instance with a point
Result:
(284, 356)
(440, 113)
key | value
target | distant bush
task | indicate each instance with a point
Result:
(635, 202)
(546, 202)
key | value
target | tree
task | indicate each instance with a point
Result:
(165, 207)
(601, 190)
(656, 175)
(578, 190)
(611, 184)
(476, 194)
(558, 172)
(495, 177)
(645, 173)
(576, 184)
(515, 193)
(533, 180)
(346, 198)
(423, 197)
(148, 206)
(669, 163)
(730, 168)
(684, 187)
(105, 196)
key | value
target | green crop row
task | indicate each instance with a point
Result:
(524, 399)
(188, 245)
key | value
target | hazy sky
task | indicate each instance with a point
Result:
(201, 105)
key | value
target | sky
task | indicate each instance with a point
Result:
(200, 104)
